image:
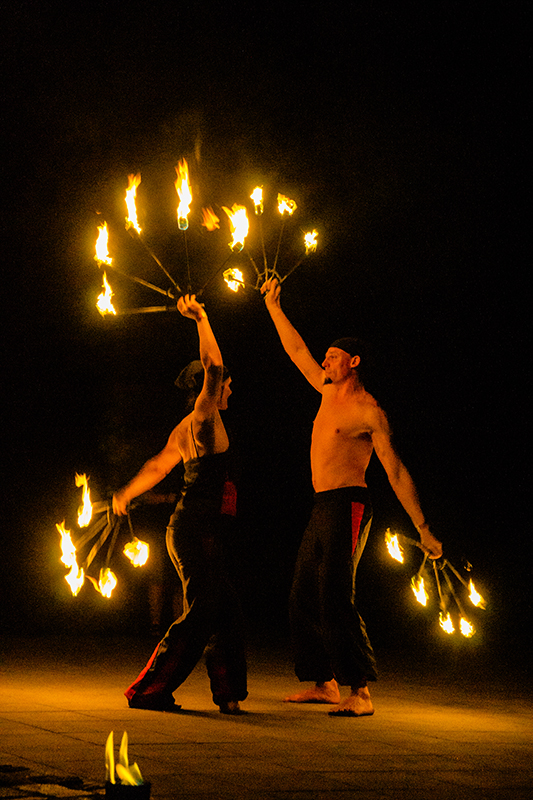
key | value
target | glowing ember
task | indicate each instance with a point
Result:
(285, 204)
(467, 629)
(310, 242)
(183, 189)
(106, 582)
(131, 219)
(393, 546)
(234, 278)
(475, 597)
(102, 256)
(239, 225)
(210, 219)
(85, 511)
(103, 301)
(445, 621)
(137, 552)
(419, 589)
(257, 197)
(76, 577)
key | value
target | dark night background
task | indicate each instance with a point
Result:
(398, 129)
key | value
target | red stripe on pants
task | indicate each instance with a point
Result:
(357, 517)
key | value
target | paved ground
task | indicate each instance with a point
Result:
(431, 737)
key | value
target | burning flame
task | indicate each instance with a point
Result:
(210, 219)
(183, 189)
(234, 278)
(445, 621)
(131, 219)
(417, 585)
(239, 225)
(85, 511)
(467, 629)
(286, 205)
(475, 597)
(76, 577)
(393, 546)
(310, 242)
(137, 552)
(130, 776)
(102, 256)
(103, 301)
(109, 759)
(257, 197)
(106, 582)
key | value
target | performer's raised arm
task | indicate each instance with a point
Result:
(294, 345)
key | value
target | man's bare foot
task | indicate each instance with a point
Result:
(231, 707)
(320, 693)
(357, 704)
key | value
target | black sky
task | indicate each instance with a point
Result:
(399, 130)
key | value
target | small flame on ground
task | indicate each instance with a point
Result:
(137, 552)
(183, 189)
(210, 219)
(103, 301)
(106, 582)
(234, 279)
(131, 219)
(419, 589)
(238, 220)
(310, 242)
(467, 629)
(445, 621)
(102, 256)
(393, 545)
(257, 197)
(285, 204)
(85, 511)
(76, 577)
(475, 597)
(109, 759)
(129, 775)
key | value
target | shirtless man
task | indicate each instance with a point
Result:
(330, 638)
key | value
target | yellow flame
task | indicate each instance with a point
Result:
(419, 589)
(234, 279)
(467, 629)
(285, 204)
(257, 197)
(102, 256)
(106, 582)
(103, 301)
(445, 621)
(393, 545)
(130, 776)
(76, 577)
(183, 189)
(475, 597)
(137, 552)
(131, 191)
(210, 219)
(109, 759)
(310, 242)
(85, 511)
(238, 220)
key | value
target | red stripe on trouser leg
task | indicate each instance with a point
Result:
(357, 516)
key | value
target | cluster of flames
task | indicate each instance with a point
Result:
(128, 774)
(418, 585)
(239, 227)
(136, 550)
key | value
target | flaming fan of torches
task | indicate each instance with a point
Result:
(395, 545)
(239, 227)
(102, 526)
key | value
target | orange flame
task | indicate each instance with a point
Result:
(131, 191)
(76, 577)
(102, 256)
(285, 204)
(467, 629)
(103, 301)
(85, 511)
(106, 582)
(137, 552)
(209, 219)
(183, 189)
(310, 242)
(238, 220)
(419, 589)
(234, 279)
(393, 546)
(475, 597)
(445, 621)
(257, 197)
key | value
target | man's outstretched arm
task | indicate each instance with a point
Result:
(292, 342)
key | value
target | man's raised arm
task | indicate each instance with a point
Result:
(292, 342)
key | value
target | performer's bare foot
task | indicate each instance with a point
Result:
(357, 704)
(327, 692)
(231, 707)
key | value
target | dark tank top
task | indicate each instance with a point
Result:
(206, 486)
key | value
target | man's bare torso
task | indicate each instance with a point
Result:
(341, 444)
